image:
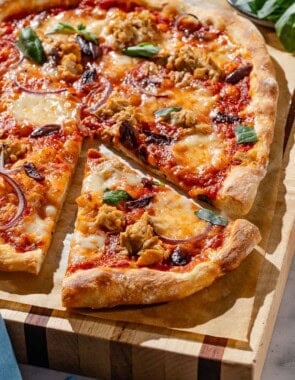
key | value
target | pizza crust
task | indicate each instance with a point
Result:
(109, 287)
(13, 261)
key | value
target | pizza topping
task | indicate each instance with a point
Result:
(190, 240)
(128, 135)
(38, 86)
(156, 138)
(162, 113)
(31, 46)
(220, 117)
(46, 130)
(114, 197)
(239, 74)
(32, 172)
(180, 256)
(131, 28)
(245, 134)
(110, 218)
(65, 28)
(21, 201)
(186, 58)
(89, 48)
(143, 50)
(136, 235)
(152, 252)
(187, 23)
(99, 94)
(89, 76)
(211, 217)
(139, 203)
(10, 55)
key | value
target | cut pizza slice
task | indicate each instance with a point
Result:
(137, 241)
(34, 176)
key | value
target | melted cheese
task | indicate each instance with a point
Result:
(199, 151)
(89, 241)
(106, 176)
(37, 226)
(41, 109)
(174, 216)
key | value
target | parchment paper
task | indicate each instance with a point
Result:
(224, 309)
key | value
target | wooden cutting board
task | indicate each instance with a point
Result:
(119, 350)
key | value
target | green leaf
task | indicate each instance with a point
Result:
(211, 217)
(64, 28)
(164, 112)
(145, 50)
(31, 46)
(285, 28)
(159, 183)
(114, 197)
(245, 134)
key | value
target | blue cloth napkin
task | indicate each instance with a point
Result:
(8, 365)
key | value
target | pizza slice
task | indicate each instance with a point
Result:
(35, 173)
(137, 241)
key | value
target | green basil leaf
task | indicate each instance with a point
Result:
(164, 112)
(145, 50)
(245, 134)
(211, 217)
(64, 28)
(285, 28)
(114, 197)
(88, 36)
(31, 46)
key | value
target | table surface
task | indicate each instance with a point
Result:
(280, 361)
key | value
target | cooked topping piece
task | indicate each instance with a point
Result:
(31, 46)
(245, 134)
(152, 252)
(156, 138)
(186, 58)
(128, 135)
(114, 197)
(131, 28)
(32, 172)
(13, 150)
(110, 218)
(46, 130)
(140, 202)
(187, 23)
(211, 217)
(180, 257)
(162, 113)
(183, 119)
(89, 76)
(144, 50)
(89, 48)
(136, 234)
(239, 74)
(220, 117)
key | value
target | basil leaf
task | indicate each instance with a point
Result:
(163, 112)
(31, 46)
(81, 30)
(245, 134)
(145, 50)
(211, 217)
(64, 28)
(114, 197)
(285, 28)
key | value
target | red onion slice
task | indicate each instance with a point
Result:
(145, 92)
(21, 202)
(105, 95)
(190, 240)
(38, 92)
(20, 58)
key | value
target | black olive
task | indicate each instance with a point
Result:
(139, 203)
(180, 257)
(128, 135)
(204, 198)
(156, 138)
(142, 153)
(89, 76)
(46, 130)
(226, 118)
(32, 172)
(89, 48)
(239, 74)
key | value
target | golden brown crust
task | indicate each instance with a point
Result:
(13, 261)
(108, 287)
(14, 7)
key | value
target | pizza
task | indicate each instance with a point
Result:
(187, 93)
(137, 241)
